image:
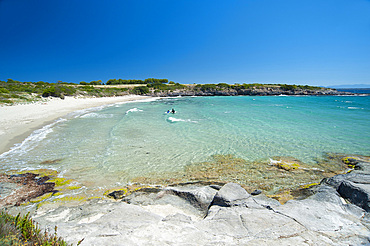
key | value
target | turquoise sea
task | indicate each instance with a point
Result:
(109, 146)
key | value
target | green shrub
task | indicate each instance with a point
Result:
(21, 230)
(5, 101)
(223, 85)
(3, 90)
(288, 87)
(49, 92)
(140, 90)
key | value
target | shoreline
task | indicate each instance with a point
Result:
(335, 212)
(17, 122)
(194, 213)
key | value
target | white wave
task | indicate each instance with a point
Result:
(133, 110)
(78, 113)
(354, 108)
(31, 141)
(95, 115)
(152, 99)
(172, 119)
(82, 112)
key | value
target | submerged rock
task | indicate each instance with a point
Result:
(256, 192)
(21, 188)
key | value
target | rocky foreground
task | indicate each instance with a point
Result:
(191, 214)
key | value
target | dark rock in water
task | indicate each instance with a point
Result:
(118, 194)
(28, 186)
(357, 163)
(350, 161)
(356, 193)
(230, 194)
(256, 192)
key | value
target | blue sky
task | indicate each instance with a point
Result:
(315, 42)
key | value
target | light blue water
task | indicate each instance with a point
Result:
(115, 144)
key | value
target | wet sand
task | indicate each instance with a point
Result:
(18, 121)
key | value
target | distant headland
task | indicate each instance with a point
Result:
(12, 91)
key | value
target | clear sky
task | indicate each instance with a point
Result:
(315, 42)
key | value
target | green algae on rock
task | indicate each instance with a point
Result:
(283, 178)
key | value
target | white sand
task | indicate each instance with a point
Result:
(19, 121)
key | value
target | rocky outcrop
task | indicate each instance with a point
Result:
(353, 186)
(172, 217)
(194, 198)
(16, 189)
(206, 214)
(230, 194)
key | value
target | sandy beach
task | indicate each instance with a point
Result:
(19, 121)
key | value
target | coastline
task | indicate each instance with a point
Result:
(18, 121)
(194, 212)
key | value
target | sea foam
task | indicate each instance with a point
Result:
(31, 141)
(172, 119)
(96, 115)
(133, 110)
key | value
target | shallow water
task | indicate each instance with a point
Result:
(113, 145)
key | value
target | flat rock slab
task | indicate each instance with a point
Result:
(118, 223)
(164, 219)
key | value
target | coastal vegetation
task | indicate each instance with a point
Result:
(12, 91)
(22, 230)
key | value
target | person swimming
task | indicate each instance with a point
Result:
(173, 111)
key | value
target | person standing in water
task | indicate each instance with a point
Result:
(173, 111)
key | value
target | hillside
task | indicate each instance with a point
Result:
(13, 91)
